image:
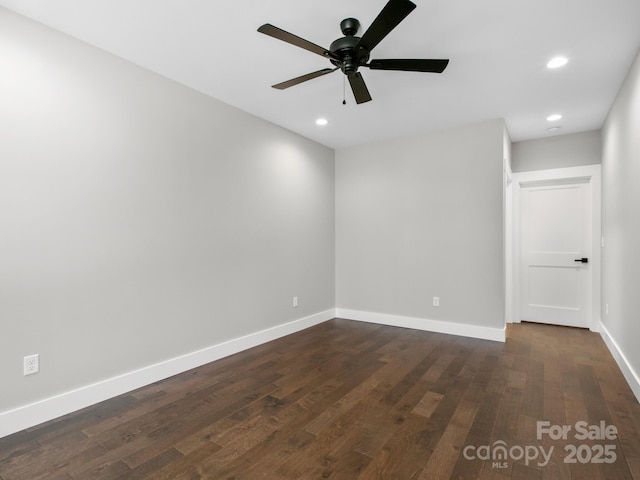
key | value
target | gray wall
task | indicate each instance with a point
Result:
(621, 218)
(142, 220)
(559, 151)
(420, 217)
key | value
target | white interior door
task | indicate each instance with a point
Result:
(555, 240)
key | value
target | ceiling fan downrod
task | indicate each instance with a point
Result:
(345, 51)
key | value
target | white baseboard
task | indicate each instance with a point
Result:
(18, 419)
(627, 370)
(451, 328)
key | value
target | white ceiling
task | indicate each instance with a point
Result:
(498, 51)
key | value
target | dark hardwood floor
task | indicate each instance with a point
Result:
(350, 400)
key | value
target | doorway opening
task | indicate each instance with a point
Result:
(556, 247)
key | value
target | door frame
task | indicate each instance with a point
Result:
(591, 174)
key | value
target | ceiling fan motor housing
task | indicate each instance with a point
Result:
(343, 49)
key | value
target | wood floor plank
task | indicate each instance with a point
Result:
(445, 456)
(313, 403)
(428, 404)
(400, 451)
(350, 400)
(480, 432)
(379, 426)
(346, 403)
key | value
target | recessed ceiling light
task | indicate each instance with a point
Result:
(554, 129)
(554, 118)
(322, 121)
(557, 62)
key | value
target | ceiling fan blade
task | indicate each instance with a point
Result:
(359, 88)
(410, 65)
(285, 36)
(391, 15)
(303, 78)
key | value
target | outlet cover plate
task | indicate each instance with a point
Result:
(31, 364)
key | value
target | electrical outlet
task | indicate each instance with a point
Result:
(295, 302)
(436, 301)
(31, 364)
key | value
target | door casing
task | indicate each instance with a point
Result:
(592, 175)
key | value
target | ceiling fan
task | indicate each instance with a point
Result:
(349, 53)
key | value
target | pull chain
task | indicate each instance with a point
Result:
(344, 90)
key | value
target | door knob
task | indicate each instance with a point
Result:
(583, 260)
